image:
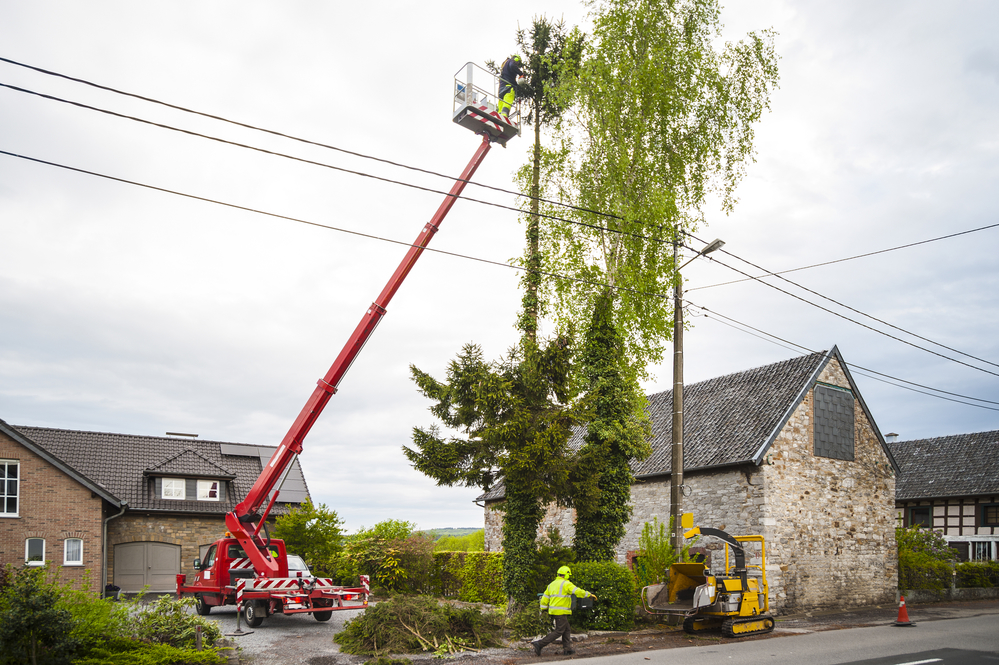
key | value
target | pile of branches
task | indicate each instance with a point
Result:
(415, 624)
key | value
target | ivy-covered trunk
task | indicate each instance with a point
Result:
(616, 433)
(522, 515)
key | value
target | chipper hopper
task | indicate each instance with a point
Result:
(735, 600)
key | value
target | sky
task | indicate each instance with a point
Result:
(133, 310)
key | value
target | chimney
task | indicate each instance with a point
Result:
(891, 437)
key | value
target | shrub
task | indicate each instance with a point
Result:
(919, 570)
(657, 553)
(614, 586)
(475, 577)
(978, 575)
(473, 542)
(411, 624)
(33, 627)
(924, 541)
(121, 651)
(312, 532)
(168, 621)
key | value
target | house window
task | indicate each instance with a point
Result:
(833, 431)
(920, 516)
(990, 514)
(34, 551)
(208, 490)
(9, 477)
(73, 552)
(174, 488)
(981, 551)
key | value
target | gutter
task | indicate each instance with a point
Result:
(104, 546)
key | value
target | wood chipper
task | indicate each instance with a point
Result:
(736, 600)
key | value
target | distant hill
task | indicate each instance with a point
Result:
(440, 533)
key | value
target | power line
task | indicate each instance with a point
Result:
(848, 258)
(853, 365)
(854, 321)
(438, 251)
(300, 139)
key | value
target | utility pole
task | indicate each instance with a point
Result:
(676, 470)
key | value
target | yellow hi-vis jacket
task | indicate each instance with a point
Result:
(557, 598)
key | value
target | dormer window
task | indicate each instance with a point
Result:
(208, 490)
(174, 488)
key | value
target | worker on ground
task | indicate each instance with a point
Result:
(557, 601)
(508, 83)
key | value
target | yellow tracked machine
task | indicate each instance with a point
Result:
(736, 600)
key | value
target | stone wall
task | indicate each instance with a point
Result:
(54, 507)
(829, 524)
(563, 519)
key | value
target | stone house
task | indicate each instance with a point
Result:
(789, 451)
(132, 511)
(951, 484)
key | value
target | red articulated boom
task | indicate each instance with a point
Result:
(251, 570)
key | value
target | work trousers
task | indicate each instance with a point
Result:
(561, 630)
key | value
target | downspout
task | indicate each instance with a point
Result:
(104, 546)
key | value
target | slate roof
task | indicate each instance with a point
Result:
(121, 463)
(728, 420)
(947, 466)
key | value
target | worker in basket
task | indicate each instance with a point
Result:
(511, 70)
(557, 601)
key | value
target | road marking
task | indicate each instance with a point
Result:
(923, 662)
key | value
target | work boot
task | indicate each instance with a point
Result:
(568, 652)
(537, 647)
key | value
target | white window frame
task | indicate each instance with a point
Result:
(205, 487)
(66, 561)
(27, 542)
(173, 482)
(17, 489)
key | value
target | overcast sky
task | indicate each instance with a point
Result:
(124, 309)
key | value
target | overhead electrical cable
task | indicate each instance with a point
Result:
(300, 139)
(854, 321)
(848, 258)
(860, 367)
(853, 309)
(304, 160)
(407, 244)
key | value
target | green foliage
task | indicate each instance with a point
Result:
(657, 553)
(924, 541)
(313, 533)
(978, 575)
(662, 125)
(34, 628)
(614, 586)
(515, 418)
(475, 577)
(169, 620)
(919, 570)
(412, 624)
(616, 433)
(119, 651)
(473, 542)
(527, 621)
(397, 559)
(552, 554)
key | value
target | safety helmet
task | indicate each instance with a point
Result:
(564, 572)
(516, 58)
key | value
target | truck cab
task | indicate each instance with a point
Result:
(224, 564)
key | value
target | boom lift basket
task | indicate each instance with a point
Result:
(476, 105)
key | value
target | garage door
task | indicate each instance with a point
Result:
(140, 564)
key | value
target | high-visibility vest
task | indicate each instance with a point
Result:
(557, 598)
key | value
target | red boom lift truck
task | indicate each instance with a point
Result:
(248, 568)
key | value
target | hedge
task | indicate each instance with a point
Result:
(475, 577)
(614, 586)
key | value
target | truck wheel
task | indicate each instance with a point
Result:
(323, 616)
(253, 612)
(203, 608)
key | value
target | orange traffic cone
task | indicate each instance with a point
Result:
(903, 614)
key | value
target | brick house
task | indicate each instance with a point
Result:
(132, 510)
(789, 451)
(951, 484)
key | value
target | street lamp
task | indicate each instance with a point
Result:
(676, 473)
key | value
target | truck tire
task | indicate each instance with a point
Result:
(253, 612)
(323, 616)
(203, 608)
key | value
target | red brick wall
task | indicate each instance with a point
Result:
(55, 507)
